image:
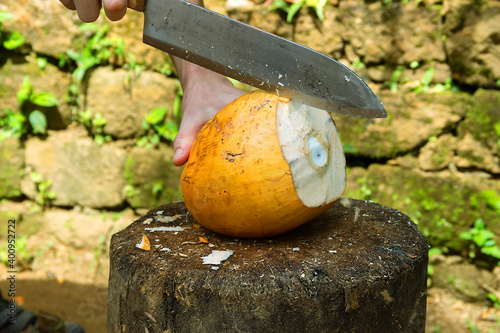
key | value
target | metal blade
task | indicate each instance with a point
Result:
(258, 58)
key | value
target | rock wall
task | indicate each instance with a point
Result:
(435, 65)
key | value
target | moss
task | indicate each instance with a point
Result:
(128, 174)
(151, 178)
(441, 155)
(467, 287)
(472, 157)
(374, 144)
(31, 223)
(379, 140)
(442, 207)
(4, 91)
(11, 162)
(482, 115)
(491, 199)
(6, 216)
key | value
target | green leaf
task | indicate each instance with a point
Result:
(414, 64)
(349, 148)
(496, 127)
(12, 125)
(482, 237)
(428, 76)
(319, 13)
(41, 62)
(358, 63)
(85, 118)
(13, 40)
(38, 122)
(120, 47)
(164, 69)
(98, 120)
(293, 9)
(99, 139)
(493, 297)
(156, 115)
(44, 186)
(396, 75)
(466, 235)
(435, 251)
(489, 243)
(157, 187)
(142, 141)
(45, 99)
(50, 195)
(430, 270)
(92, 27)
(154, 139)
(492, 199)
(493, 251)
(36, 177)
(479, 224)
(279, 4)
(145, 125)
(75, 56)
(79, 73)
(167, 130)
(318, 6)
(24, 93)
(4, 16)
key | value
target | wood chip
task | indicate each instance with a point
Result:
(144, 244)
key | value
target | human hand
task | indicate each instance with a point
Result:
(88, 10)
(209, 93)
(205, 92)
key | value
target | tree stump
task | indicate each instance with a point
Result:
(360, 267)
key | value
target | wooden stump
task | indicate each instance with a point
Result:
(360, 267)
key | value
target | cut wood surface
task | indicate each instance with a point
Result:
(359, 267)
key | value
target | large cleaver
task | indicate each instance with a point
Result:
(255, 57)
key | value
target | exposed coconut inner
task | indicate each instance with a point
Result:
(312, 148)
(317, 153)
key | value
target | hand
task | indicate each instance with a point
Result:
(209, 93)
(205, 92)
(88, 10)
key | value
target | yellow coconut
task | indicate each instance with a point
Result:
(263, 165)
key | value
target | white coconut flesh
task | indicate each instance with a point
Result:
(311, 146)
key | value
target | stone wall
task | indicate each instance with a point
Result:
(435, 65)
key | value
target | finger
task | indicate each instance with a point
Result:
(181, 155)
(115, 9)
(68, 4)
(183, 142)
(88, 10)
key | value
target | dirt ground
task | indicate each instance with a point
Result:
(84, 304)
(77, 293)
(445, 313)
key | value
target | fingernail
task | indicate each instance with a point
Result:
(178, 152)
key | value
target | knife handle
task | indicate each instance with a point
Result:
(136, 5)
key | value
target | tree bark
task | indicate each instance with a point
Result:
(360, 267)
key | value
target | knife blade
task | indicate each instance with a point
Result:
(255, 57)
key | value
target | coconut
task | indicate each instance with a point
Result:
(263, 165)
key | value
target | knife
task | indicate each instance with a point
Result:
(255, 57)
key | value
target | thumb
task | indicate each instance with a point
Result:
(184, 140)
